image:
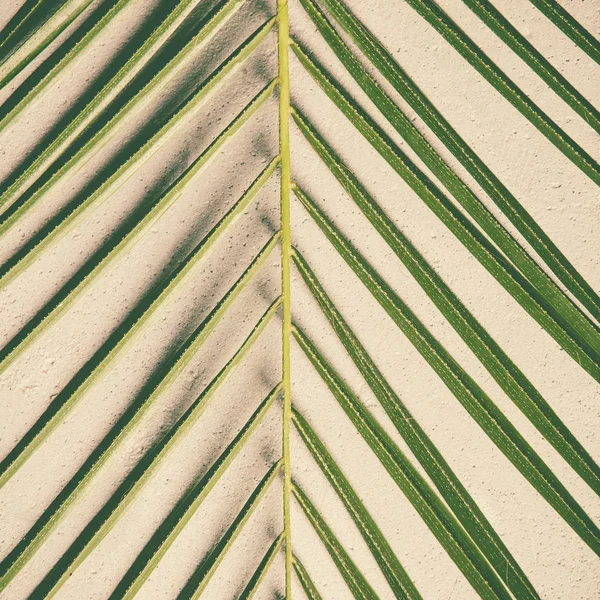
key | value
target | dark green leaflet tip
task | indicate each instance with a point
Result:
(397, 578)
(204, 571)
(383, 60)
(506, 373)
(310, 589)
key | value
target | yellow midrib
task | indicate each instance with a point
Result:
(284, 150)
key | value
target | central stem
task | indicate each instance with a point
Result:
(284, 150)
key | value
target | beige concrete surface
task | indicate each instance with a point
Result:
(563, 201)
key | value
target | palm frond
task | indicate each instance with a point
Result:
(578, 336)
(570, 26)
(444, 526)
(477, 403)
(171, 66)
(160, 381)
(388, 562)
(106, 517)
(497, 191)
(123, 335)
(508, 376)
(354, 579)
(183, 511)
(122, 240)
(65, 217)
(448, 484)
(468, 49)
(262, 569)
(201, 576)
(305, 581)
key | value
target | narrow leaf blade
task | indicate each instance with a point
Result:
(487, 415)
(197, 583)
(388, 562)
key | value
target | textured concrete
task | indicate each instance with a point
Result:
(560, 197)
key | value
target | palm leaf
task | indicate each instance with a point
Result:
(443, 525)
(578, 336)
(63, 177)
(570, 26)
(394, 572)
(151, 65)
(496, 190)
(354, 579)
(307, 584)
(465, 46)
(162, 379)
(106, 517)
(450, 487)
(122, 336)
(26, 254)
(263, 567)
(499, 365)
(184, 509)
(466, 390)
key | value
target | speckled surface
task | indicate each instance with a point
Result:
(563, 201)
